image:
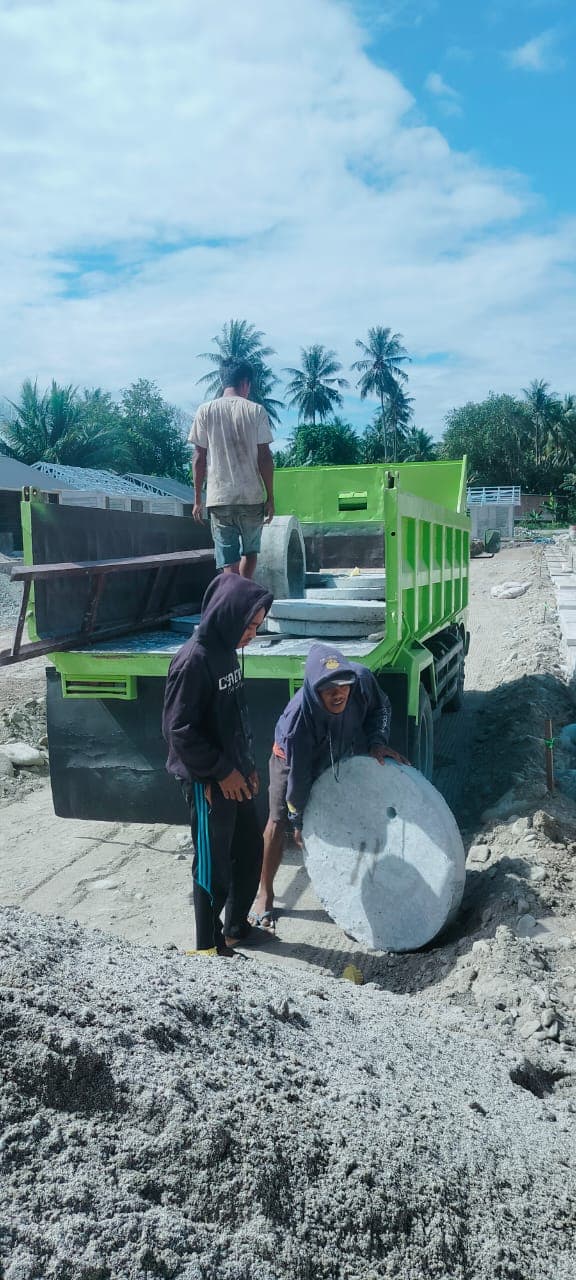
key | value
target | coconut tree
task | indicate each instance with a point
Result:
(239, 340)
(559, 444)
(61, 426)
(40, 422)
(315, 389)
(397, 415)
(542, 405)
(380, 367)
(418, 446)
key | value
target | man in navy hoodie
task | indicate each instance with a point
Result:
(339, 711)
(210, 750)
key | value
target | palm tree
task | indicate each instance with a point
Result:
(41, 422)
(60, 426)
(239, 340)
(315, 388)
(263, 384)
(380, 366)
(418, 446)
(397, 416)
(559, 443)
(543, 407)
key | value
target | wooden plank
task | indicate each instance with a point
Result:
(133, 564)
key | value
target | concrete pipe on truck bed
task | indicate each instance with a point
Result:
(105, 695)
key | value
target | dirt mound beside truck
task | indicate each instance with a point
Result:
(206, 1119)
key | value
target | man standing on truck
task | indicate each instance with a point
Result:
(340, 711)
(211, 752)
(232, 438)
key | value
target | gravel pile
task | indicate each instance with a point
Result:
(22, 722)
(10, 595)
(209, 1119)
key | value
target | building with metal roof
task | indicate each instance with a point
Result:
(86, 478)
(15, 475)
(163, 485)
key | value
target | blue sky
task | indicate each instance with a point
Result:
(508, 68)
(315, 168)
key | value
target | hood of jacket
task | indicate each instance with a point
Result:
(229, 605)
(323, 664)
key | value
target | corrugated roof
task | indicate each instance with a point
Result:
(163, 484)
(15, 475)
(87, 478)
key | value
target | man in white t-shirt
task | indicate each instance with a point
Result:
(232, 437)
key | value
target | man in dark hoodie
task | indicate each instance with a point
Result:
(210, 750)
(339, 711)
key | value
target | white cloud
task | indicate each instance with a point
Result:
(449, 97)
(253, 161)
(538, 54)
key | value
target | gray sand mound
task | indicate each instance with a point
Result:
(205, 1119)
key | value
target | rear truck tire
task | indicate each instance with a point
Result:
(421, 736)
(455, 702)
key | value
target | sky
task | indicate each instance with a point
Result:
(317, 168)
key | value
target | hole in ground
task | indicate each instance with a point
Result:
(537, 1080)
(391, 812)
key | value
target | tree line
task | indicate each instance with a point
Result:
(140, 432)
(143, 432)
(528, 440)
(314, 389)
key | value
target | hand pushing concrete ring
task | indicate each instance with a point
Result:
(281, 564)
(384, 854)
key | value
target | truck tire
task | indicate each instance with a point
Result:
(421, 741)
(455, 702)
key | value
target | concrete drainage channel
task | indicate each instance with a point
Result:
(560, 559)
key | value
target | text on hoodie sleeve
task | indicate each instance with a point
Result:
(188, 700)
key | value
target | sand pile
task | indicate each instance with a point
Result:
(213, 1120)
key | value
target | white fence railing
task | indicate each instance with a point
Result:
(499, 495)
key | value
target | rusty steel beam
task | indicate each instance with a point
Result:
(132, 564)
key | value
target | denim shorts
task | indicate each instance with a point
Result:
(236, 531)
(278, 773)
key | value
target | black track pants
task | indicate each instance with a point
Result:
(228, 847)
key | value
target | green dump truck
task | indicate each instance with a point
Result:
(102, 590)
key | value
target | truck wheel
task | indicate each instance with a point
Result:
(421, 750)
(455, 702)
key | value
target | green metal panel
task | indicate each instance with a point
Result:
(348, 494)
(105, 685)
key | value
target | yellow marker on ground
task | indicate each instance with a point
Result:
(352, 974)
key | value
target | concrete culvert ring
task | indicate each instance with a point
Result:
(281, 564)
(295, 563)
(384, 854)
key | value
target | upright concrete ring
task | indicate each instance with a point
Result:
(281, 564)
(384, 854)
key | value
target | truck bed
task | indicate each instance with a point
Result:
(167, 643)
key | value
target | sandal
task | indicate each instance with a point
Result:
(259, 921)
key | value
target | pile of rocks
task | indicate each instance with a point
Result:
(23, 748)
